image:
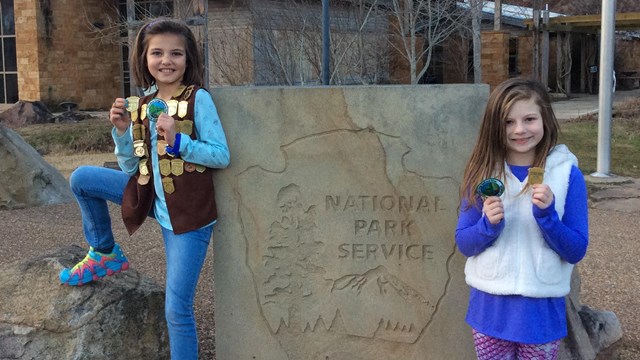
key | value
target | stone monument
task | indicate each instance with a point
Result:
(335, 238)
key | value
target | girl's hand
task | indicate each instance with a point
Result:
(493, 209)
(119, 117)
(166, 126)
(542, 196)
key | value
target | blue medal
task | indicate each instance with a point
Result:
(156, 107)
(490, 187)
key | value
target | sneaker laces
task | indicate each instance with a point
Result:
(82, 263)
(86, 259)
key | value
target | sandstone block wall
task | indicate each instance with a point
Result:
(62, 58)
(495, 57)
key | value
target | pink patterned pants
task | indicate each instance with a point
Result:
(490, 348)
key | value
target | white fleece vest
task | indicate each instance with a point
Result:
(520, 262)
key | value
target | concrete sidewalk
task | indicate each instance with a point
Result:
(583, 104)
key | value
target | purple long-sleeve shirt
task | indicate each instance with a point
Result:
(520, 318)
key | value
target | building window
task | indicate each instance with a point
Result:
(144, 9)
(513, 57)
(8, 65)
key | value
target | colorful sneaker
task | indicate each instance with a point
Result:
(94, 266)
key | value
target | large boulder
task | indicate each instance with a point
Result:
(26, 179)
(118, 317)
(24, 113)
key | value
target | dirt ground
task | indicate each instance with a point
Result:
(611, 277)
(610, 272)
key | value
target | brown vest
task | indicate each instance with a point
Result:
(188, 188)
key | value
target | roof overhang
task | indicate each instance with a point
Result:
(589, 23)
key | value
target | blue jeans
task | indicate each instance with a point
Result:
(185, 253)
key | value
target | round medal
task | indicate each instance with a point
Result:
(490, 187)
(139, 151)
(156, 107)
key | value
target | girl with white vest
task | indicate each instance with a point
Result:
(521, 245)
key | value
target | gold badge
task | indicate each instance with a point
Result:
(177, 167)
(138, 132)
(134, 116)
(143, 111)
(162, 147)
(165, 167)
(167, 185)
(132, 103)
(143, 179)
(200, 168)
(189, 167)
(182, 108)
(173, 107)
(142, 166)
(139, 148)
(186, 127)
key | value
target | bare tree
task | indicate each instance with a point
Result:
(458, 66)
(111, 26)
(280, 43)
(231, 47)
(421, 25)
(359, 52)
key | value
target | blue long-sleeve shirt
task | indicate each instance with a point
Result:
(514, 317)
(210, 149)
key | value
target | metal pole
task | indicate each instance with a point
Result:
(606, 88)
(326, 42)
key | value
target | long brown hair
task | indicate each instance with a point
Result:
(490, 151)
(139, 68)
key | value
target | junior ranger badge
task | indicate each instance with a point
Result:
(173, 107)
(139, 148)
(182, 108)
(167, 185)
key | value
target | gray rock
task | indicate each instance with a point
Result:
(590, 331)
(340, 207)
(119, 317)
(26, 179)
(316, 258)
(603, 327)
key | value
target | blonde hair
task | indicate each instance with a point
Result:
(490, 151)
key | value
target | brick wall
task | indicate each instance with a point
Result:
(60, 56)
(627, 58)
(495, 57)
(27, 49)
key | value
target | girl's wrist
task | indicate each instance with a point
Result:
(174, 150)
(121, 132)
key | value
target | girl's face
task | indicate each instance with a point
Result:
(524, 130)
(166, 59)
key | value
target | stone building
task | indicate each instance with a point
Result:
(76, 51)
(60, 54)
